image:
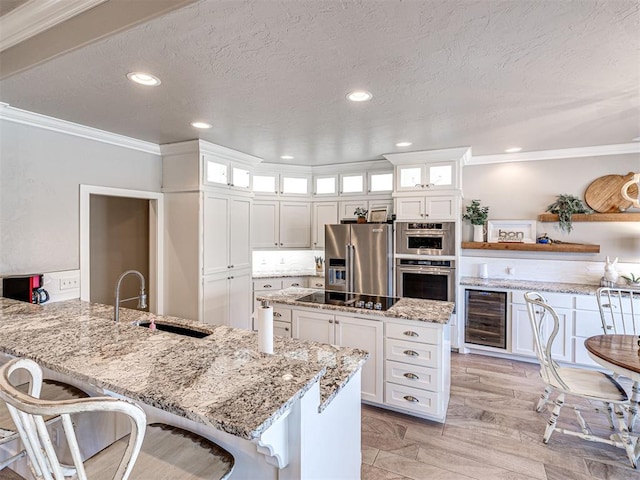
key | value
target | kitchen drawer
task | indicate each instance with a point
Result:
(316, 282)
(282, 329)
(412, 375)
(412, 333)
(293, 282)
(556, 300)
(267, 284)
(587, 302)
(587, 324)
(411, 352)
(414, 399)
(281, 314)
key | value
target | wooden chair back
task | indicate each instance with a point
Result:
(619, 310)
(539, 311)
(27, 411)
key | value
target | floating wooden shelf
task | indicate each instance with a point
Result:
(594, 217)
(534, 247)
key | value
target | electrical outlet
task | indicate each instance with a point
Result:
(67, 283)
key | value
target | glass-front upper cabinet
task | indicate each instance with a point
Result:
(294, 185)
(352, 184)
(220, 173)
(216, 172)
(380, 182)
(265, 184)
(422, 177)
(325, 185)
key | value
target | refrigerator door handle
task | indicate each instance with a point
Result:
(352, 256)
(347, 270)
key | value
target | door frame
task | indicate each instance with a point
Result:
(156, 240)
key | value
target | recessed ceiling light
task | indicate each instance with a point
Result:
(144, 79)
(202, 125)
(359, 96)
(403, 144)
(286, 157)
(513, 150)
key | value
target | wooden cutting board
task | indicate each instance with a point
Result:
(603, 194)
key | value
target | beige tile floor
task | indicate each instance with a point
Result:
(491, 433)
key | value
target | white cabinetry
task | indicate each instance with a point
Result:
(324, 213)
(346, 331)
(441, 207)
(429, 176)
(281, 224)
(207, 247)
(349, 206)
(417, 366)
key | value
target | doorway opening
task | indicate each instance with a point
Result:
(120, 230)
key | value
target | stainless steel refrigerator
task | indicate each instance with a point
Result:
(359, 258)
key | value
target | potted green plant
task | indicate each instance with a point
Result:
(565, 206)
(477, 215)
(361, 213)
(632, 280)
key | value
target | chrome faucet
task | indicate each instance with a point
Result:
(142, 298)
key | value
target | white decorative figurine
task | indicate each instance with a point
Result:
(610, 272)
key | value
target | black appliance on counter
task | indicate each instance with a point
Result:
(26, 288)
(356, 300)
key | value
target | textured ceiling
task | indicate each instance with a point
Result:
(271, 76)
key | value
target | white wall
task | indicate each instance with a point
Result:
(522, 190)
(40, 174)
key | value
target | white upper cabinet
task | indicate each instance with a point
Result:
(352, 184)
(294, 185)
(265, 184)
(380, 182)
(324, 213)
(325, 185)
(219, 173)
(281, 224)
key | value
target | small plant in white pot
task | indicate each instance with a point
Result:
(477, 215)
(632, 280)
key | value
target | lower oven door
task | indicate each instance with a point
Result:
(430, 283)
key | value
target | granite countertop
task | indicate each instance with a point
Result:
(406, 308)
(220, 380)
(555, 287)
(289, 273)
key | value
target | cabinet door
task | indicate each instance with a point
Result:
(522, 342)
(410, 208)
(366, 335)
(215, 299)
(239, 233)
(441, 208)
(215, 237)
(410, 178)
(265, 224)
(239, 299)
(347, 208)
(441, 175)
(295, 224)
(325, 213)
(312, 326)
(380, 204)
(216, 172)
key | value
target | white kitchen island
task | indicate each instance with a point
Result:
(291, 415)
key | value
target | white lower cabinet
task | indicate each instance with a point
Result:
(408, 365)
(416, 369)
(522, 341)
(346, 331)
(227, 299)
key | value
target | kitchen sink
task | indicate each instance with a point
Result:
(175, 329)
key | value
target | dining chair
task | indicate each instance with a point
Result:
(620, 314)
(155, 451)
(51, 390)
(580, 383)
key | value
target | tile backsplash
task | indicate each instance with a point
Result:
(274, 261)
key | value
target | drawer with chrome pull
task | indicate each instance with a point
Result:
(267, 284)
(421, 401)
(293, 282)
(281, 314)
(412, 352)
(411, 333)
(412, 375)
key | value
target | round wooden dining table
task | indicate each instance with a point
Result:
(621, 355)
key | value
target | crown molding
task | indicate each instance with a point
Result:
(24, 117)
(36, 16)
(595, 151)
(198, 147)
(461, 154)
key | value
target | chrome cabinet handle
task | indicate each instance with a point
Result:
(276, 243)
(411, 353)
(276, 314)
(410, 398)
(411, 376)
(411, 333)
(286, 329)
(330, 321)
(319, 285)
(337, 321)
(295, 284)
(267, 286)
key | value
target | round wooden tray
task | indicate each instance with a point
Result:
(604, 195)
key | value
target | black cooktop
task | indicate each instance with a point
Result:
(355, 300)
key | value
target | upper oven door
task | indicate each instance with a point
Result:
(438, 240)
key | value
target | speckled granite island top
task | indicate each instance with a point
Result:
(405, 308)
(555, 287)
(220, 380)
